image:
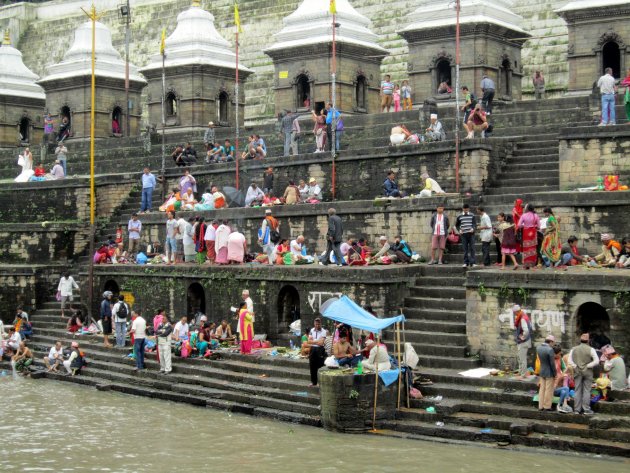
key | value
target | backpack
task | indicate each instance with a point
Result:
(122, 311)
(272, 225)
(473, 101)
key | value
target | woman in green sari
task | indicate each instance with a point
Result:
(551, 248)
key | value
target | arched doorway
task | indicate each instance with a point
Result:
(611, 57)
(196, 299)
(170, 104)
(303, 91)
(361, 93)
(505, 78)
(222, 109)
(443, 72)
(65, 113)
(25, 130)
(592, 318)
(117, 121)
(112, 286)
(288, 308)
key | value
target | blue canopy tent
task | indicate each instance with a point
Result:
(346, 311)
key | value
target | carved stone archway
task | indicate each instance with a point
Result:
(611, 37)
(434, 68)
(303, 78)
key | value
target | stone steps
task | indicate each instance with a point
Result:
(435, 303)
(447, 315)
(437, 292)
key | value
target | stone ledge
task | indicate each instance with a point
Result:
(595, 132)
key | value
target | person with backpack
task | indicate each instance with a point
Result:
(522, 337)
(120, 313)
(470, 101)
(269, 235)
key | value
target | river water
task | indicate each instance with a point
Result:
(59, 427)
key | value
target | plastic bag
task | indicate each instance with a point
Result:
(453, 237)
(331, 362)
(411, 357)
(58, 296)
(141, 258)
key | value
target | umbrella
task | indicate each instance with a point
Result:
(235, 197)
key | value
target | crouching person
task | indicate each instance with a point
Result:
(75, 362)
(55, 357)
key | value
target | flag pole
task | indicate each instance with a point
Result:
(457, 61)
(236, 92)
(333, 77)
(163, 169)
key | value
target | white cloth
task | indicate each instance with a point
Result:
(139, 327)
(486, 234)
(180, 330)
(250, 305)
(164, 347)
(439, 225)
(397, 139)
(181, 229)
(66, 285)
(54, 353)
(433, 186)
(315, 192)
(57, 172)
(188, 234)
(606, 84)
(211, 233)
(222, 235)
(296, 248)
(27, 169)
(253, 194)
(378, 357)
(317, 335)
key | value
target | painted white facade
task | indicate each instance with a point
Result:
(15, 78)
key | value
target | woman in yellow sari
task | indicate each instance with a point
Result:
(246, 328)
(550, 249)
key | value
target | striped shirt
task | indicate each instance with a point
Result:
(387, 88)
(466, 223)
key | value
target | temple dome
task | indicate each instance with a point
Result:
(196, 41)
(436, 14)
(311, 24)
(15, 78)
(78, 59)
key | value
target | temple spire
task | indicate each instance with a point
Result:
(7, 39)
(196, 3)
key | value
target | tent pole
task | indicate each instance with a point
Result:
(378, 342)
(399, 362)
(404, 345)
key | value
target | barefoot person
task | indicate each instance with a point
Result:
(54, 358)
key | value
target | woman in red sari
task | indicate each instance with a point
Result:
(517, 213)
(529, 224)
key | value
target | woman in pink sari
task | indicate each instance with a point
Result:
(246, 328)
(221, 243)
(529, 224)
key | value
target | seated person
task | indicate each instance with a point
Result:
(169, 203)
(220, 202)
(75, 362)
(207, 201)
(303, 190)
(291, 194)
(120, 255)
(228, 151)
(14, 340)
(615, 368)
(181, 330)
(296, 247)
(430, 186)
(305, 347)
(260, 148)
(357, 254)
(54, 358)
(216, 154)
(188, 200)
(178, 156)
(401, 135)
(314, 191)
(250, 152)
(382, 252)
(57, 171)
(444, 88)
(254, 195)
(24, 328)
(39, 173)
(281, 249)
(379, 358)
(224, 332)
(624, 256)
(190, 154)
(435, 131)
(74, 323)
(344, 352)
(401, 249)
(390, 186)
(477, 121)
(611, 250)
(22, 359)
(571, 254)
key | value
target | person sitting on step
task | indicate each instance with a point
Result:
(22, 359)
(378, 358)
(477, 121)
(55, 357)
(611, 250)
(75, 362)
(344, 352)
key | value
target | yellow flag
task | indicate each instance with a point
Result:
(163, 42)
(237, 18)
(333, 7)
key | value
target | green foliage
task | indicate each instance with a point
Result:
(481, 289)
(354, 394)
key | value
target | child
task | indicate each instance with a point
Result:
(406, 95)
(507, 237)
(623, 260)
(306, 348)
(119, 235)
(396, 98)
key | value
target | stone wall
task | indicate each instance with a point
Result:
(588, 153)
(553, 300)
(274, 290)
(35, 243)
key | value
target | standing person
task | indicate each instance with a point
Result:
(295, 136)
(439, 227)
(221, 243)
(148, 184)
(387, 92)
(246, 328)
(547, 375)
(551, 248)
(65, 288)
(61, 152)
(209, 136)
(466, 225)
(163, 334)
(49, 127)
(528, 225)
(332, 115)
(237, 247)
(171, 241)
(539, 85)
(523, 338)
(506, 234)
(319, 130)
(626, 99)
(396, 97)
(608, 90)
(106, 317)
(485, 235)
(405, 92)
(268, 235)
(583, 358)
(120, 312)
(487, 87)
(199, 238)
(179, 239)
(248, 301)
(317, 354)
(134, 227)
(286, 128)
(210, 237)
(139, 333)
(268, 181)
(334, 238)
(468, 106)
(189, 242)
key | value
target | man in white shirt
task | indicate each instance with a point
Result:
(139, 331)
(314, 191)
(134, 227)
(249, 302)
(485, 235)
(316, 339)
(65, 287)
(121, 312)
(14, 339)
(179, 239)
(189, 244)
(55, 357)
(57, 171)
(296, 247)
(181, 330)
(608, 90)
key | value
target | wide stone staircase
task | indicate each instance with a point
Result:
(270, 386)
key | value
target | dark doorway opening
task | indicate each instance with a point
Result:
(506, 78)
(288, 307)
(611, 57)
(170, 104)
(319, 106)
(117, 121)
(303, 91)
(223, 108)
(593, 319)
(361, 93)
(25, 130)
(112, 286)
(443, 71)
(196, 300)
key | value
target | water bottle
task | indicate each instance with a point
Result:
(359, 368)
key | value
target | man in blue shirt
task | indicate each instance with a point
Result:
(229, 150)
(331, 115)
(487, 87)
(148, 184)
